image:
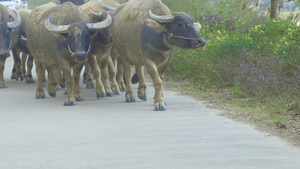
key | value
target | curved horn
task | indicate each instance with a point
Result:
(162, 18)
(14, 23)
(96, 14)
(100, 25)
(56, 28)
(105, 6)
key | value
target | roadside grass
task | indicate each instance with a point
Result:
(250, 67)
(273, 117)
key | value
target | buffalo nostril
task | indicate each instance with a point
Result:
(81, 54)
(202, 41)
(110, 37)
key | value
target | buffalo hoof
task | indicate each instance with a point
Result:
(65, 92)
(79, 99)
(123, 89)
(101, 95)
(29, 80)
(142, 97)
(17, 77)
(70, 103)
(160, 108)
(14, 77)
(52, 94)
(3, 86)
(88, 86)
(128, 100)
(118, 93)
(39, 96)
(110, 94)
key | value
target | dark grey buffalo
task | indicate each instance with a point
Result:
(75, 2)
(59, 38)
(9, 33)
(146, 33)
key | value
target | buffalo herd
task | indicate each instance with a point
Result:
(107, 37)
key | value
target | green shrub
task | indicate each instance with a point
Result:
(261, 60)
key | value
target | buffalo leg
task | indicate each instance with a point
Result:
(119, 76)
(88, 76)
(142, 93)
(127, 73)
(24, 58)
(112, 75)
(39, 71)
(66, 69)
(17, 72)
(2, 65)
(28, 75)
(157, 83)
(100, 92)
(52, 81)
(103, 64)
(76, 76)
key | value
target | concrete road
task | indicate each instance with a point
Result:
(111, 134)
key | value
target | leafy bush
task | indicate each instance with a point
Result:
(259, 58)
(264, 77)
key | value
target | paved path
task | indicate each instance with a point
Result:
(111, 134)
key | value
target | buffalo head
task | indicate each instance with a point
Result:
(180, 30)
(6, 35)
(78, 35)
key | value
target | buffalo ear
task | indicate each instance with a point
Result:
(61, 36)
(197, 27)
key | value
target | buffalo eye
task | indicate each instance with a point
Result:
(180, 24)
(65, 35)
(7, 33)
(85, 36)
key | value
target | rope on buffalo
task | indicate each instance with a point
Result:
(171, 35)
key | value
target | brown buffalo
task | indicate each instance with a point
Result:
(146, 33)
(19, 69)
(101, 52)
(60, 38)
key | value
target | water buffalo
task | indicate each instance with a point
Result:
(146, 33)
(101, 53)
(9, 33)
(19, 69)
(59, 37)
(75, 2)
